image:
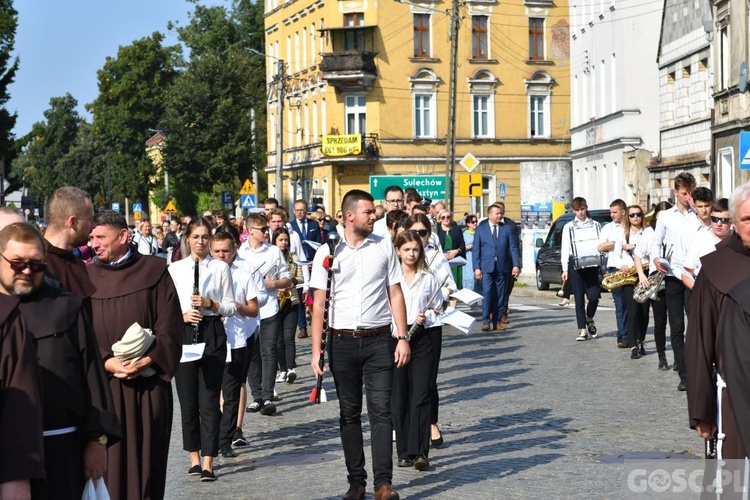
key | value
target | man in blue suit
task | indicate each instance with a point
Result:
(307, 230)
(496, 259)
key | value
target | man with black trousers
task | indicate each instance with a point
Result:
(307, 230)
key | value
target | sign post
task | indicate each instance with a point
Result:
(428, 186)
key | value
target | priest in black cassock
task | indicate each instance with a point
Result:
(131, 287)
(77, 411)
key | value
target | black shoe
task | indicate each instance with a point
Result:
(663, 365)
(238, 439)
(641, 348)
(356, 492)
(195, 470)
(682, 386)
(421, 463)
(207, 476)
(674, 366)
(227, 452)
(591, 327)
(635, 353)
(268, 408)
(255, 406)
(405, 462)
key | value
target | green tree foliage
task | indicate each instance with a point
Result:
(8, 68)
(214, 105)
(132, 91)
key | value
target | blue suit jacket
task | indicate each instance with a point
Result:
(312, 234)
(490, 256)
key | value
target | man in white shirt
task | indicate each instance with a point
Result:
(249, 294)
(705, 243)
(695, 230)
(270, 262)
(609, 235)
(146, 242)
(365, 297)
(394, 200)
(666, 235)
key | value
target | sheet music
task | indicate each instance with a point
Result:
(467, 296)
(457, 319)
(457, 261)
(192, 352)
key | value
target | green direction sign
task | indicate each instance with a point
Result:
(429, 186)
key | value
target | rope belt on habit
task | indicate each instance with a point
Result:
(361, 333)
(59, 432)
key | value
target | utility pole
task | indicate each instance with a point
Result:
(280, 75)
(450, 140)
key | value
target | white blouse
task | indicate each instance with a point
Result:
(214, 283)
(418, 293)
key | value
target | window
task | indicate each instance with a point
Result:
(479, 37)
(724, 63)
(481, 115)
(424, 115)
(356, 114)
(421, 35)
(538, 116)
(354, 39)
(536, 39)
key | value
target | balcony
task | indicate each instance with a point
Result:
(349, 71)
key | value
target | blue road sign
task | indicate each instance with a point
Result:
(116, 207)
(502, 190)
(137, 207)
(745, 150)
(248, 201)
(226, 198)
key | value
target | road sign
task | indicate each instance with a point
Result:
(248, 201)
(470, 184)
(138, 215)
(428, 186)
(36, 212)
(469, 162)
(116, 207)
(745, 150)
(170, 208)
(248, 188)
(226, 198)
(501, 190)
(137, 207)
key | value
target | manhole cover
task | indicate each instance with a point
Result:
(642, 455)
(287, 460)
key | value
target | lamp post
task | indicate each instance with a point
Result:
(280, 75)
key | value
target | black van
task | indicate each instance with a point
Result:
(548, 267)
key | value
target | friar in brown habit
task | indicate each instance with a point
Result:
(720, 272)
(20, 405)
(135, 288)
(77, 410)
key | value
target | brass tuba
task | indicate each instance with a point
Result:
(655, 284)
(620, 278)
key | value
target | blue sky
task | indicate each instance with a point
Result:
(62, 44)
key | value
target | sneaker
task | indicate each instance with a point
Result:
(227, 451)
(238, 439)
(275, 395)
(591, 327)
(280, 376)
(268, 408)
(255, 406)
(291, 376)
(663, 365)
(582, 336)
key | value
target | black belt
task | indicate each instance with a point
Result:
(361, 333)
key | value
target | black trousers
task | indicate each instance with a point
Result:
(585, 284)
(254, 368)
(286, 346)
(199, 388)
(510, 282)
(354, 362)
(660, 321)
(436, 335)
(234, 376)
(410, 398)
(675, 294)
(636, 321)
(262, 375)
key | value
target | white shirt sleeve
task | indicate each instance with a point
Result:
(565, 248)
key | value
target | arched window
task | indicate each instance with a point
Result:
(482, 89)
(424, 85)
(539, 92)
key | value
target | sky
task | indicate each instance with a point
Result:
(62, 43)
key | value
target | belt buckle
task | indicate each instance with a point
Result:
(354, 334)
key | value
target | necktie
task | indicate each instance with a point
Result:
(494, 232)
(304, 227)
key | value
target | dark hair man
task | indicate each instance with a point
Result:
(394, 200)
(609, 235)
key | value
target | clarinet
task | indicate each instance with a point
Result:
(196, 291)
(426, 307)
(333, 241)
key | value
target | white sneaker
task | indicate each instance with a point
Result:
(280, 376)
(582, 336)
(291, 376)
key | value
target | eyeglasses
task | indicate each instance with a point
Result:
(263, 229)
(19, 265)
(636, 214)
(421, 232)
(723, 220)
(395, 201)
(471, 222)
(444, 217)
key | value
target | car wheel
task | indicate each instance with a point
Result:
(540, 283)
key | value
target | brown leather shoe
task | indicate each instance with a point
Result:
(499, 327)
(386, 493)
(504, 320)
(302, 333)
(356, 492)
(486, 328)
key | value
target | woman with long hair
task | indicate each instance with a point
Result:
(288, 310)
(642, 254)
(452, 241)
(469, 281)
(199, 382)
(410, 397)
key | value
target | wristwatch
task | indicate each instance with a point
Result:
(406, 337)
(102, 440)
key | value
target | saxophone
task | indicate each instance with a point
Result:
(621, 278)
(655, 285)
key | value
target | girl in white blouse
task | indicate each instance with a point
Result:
(411, 395)
(199, 382)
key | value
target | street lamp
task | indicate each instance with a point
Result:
(280, 75)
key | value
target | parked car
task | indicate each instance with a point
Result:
(548, 267)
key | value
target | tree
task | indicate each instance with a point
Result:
(132, 90)
(8, 68)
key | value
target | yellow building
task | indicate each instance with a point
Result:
(381, 70)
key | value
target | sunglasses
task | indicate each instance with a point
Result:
(635, 214)
(723, 220)
(263, 229)
(444, 217)
(19, 265)
(421, 232)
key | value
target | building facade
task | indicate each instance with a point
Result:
(367, 95)
(615, 98)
